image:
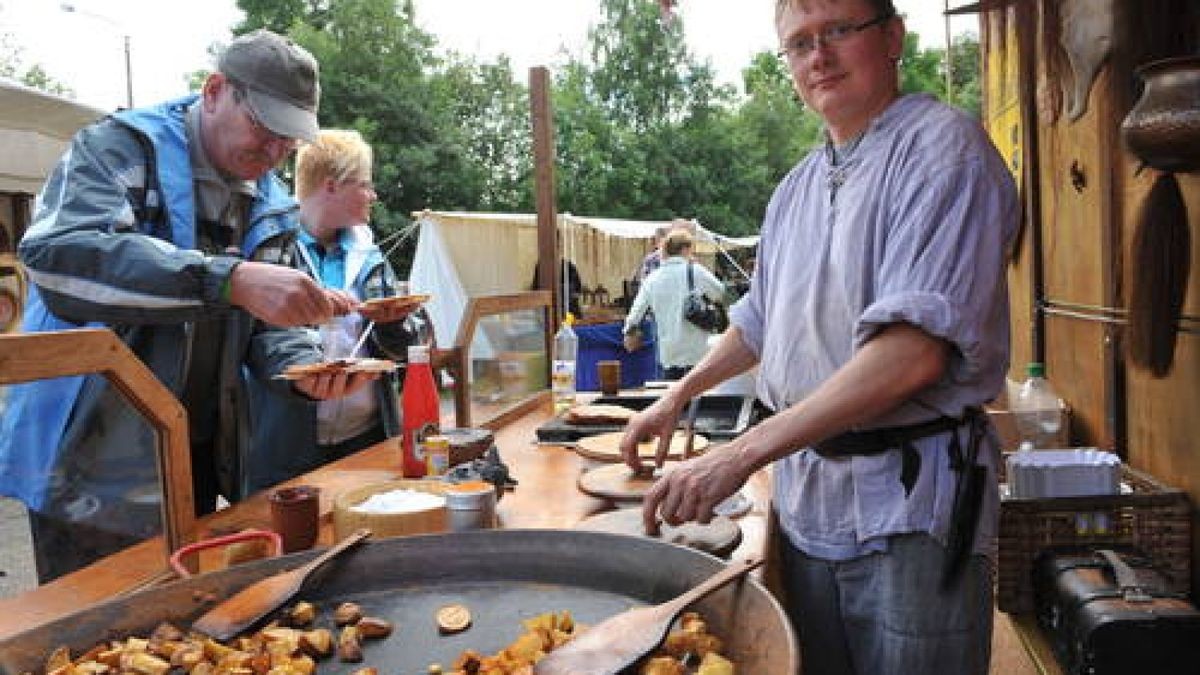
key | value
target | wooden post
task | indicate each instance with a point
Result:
(1027, 30)
(542, 115)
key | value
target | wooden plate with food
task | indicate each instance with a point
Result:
(599, 415)
(355, 365)
(618, 482)
(380, 309)
(606, 447)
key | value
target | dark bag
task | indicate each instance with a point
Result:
(1111, 613)
(700, 310)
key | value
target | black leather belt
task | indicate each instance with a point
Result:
(968, 494)
(876, 441)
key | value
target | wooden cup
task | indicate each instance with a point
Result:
(609, 374)
(295, 515)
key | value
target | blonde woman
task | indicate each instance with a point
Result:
(336, 247)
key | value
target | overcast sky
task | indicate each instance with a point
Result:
(169, 38)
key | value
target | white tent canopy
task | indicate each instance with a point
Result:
(462, 255)
(34, 130)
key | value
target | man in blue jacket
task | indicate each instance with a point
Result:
(164, 224)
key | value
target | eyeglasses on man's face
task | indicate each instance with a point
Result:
(259, 129)
(803, 45)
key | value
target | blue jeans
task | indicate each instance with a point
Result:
(885, 614)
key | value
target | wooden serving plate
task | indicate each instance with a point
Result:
(617, 482)
(354, 365)
(720, 537)
(606, 447)
(377, 308)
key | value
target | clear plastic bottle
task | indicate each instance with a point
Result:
(562, 372)
(1038, 411)
(419, 404)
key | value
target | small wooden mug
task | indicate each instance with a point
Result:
(295, 515)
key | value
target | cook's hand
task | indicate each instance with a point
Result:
(691, 490)
(282, 296)
(657, 420)
(327, 386)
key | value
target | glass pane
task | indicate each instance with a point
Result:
(507, 360)
(100, 498)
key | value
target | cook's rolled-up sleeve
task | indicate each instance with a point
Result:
(747, 316)
(941, 264)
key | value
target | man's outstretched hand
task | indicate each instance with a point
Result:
(282, 296)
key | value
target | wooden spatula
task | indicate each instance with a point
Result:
(262, 597)
(615, 644)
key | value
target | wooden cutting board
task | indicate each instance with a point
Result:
(606, 447)
(617, 482)
(720, 537)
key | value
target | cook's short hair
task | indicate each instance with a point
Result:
(339, 154)
(678, 241)
(882, 7)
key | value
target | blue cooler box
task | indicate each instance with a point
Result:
(604, 342)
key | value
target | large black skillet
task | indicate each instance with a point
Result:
(503, 576)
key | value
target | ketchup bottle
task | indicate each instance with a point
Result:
(419, 404)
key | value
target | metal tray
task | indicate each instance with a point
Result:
(719, 417)
(503, 576)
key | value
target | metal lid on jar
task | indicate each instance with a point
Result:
(470, 495)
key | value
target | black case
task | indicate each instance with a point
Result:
(1108, 612)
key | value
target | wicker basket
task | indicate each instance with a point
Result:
(1154, 518)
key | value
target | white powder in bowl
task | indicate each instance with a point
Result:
(400, 501)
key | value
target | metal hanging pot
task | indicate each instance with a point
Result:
(1163, 131)
(1163, 128)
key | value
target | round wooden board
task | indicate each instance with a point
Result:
(720, 537)
(607, 447)
(377, 308)
(347, 365)
(616, 482)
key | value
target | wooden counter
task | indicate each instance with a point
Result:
(547, 497)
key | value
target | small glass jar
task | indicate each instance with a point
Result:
(437, 455)
(472, 505)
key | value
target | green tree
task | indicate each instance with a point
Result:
(921, 70)
(642, 67)
(774, 118)
(966, 76)
(925, 70)
(644, 131)
(487, 117)
(12, 66)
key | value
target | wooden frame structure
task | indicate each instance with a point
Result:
(456, 359)
(28, 357)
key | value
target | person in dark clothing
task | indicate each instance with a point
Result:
(569, 276)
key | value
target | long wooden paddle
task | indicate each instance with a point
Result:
(262, 597)
(615, 644)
